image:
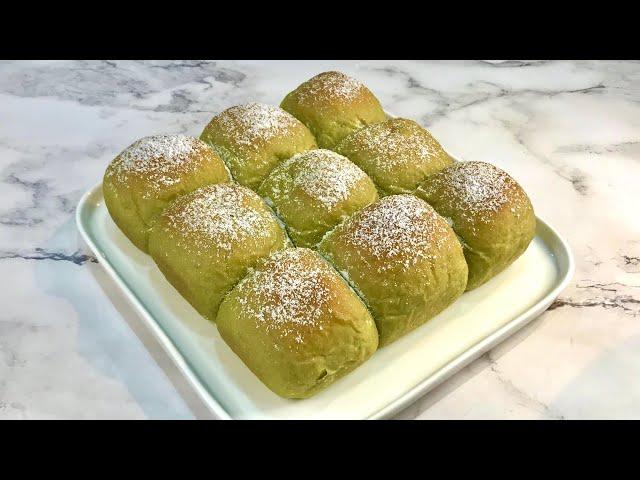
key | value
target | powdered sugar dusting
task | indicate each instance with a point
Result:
(475, 188)
(289, 294)
(249, 123)
(335, 85)
(395, 143)
(324, 175)
(162, 160)
(220, 216)
(399, 230)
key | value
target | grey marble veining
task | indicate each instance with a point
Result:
(569, 132)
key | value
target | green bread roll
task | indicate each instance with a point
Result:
(488, 210)
(205, 241)
(314, 191)
(403, 259)
(397, 154)
(253, 138)
(296, 324)
(333, 105)
(149, 174)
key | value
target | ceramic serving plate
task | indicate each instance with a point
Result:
(390, 380)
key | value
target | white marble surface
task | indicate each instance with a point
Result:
(71, 347)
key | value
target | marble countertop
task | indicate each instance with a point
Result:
(569, 132)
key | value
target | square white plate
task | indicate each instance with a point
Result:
(393, 378)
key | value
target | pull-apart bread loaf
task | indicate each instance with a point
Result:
(254, 138)
(488, 210)
(333, 105)
(149, 174)
(376, 268)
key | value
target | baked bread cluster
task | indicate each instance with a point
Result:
(315, 233)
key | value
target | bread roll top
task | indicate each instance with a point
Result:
(216, 218)
(488, 210)
(394, 234)
(160, 161)
(314, 191)
(296, 323)
(253, 138)
(333, 105)
(331, 90)
(475, 195)
(145, 177)
(397, 154)
(205, 241)
(403, 259)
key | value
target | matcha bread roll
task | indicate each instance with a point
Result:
(488, 210)
(296, 324)
(253, 138)
(404, 260)
(333, 105)
(149, 174)
(205, 241)
(397, 154)
(314, 191)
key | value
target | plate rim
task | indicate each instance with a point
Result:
(165, 341)
(487, 343)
